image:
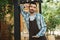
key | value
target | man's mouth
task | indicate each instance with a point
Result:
(31, 10)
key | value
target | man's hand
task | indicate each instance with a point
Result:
(35, 37)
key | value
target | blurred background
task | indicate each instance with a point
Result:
(50, 9)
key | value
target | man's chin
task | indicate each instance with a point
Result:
(31, 12)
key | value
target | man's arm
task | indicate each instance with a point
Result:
(23, 12)
(43, 28)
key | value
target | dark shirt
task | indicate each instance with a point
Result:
(33, 28)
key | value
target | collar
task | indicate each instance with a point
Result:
(32, 17)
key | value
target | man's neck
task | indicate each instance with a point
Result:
(31, 14)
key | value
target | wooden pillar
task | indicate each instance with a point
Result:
(40, 1)
(16, 21)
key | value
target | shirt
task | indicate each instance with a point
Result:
(40, 22)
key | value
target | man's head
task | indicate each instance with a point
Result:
(33, 7)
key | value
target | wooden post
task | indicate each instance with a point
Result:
(16, 21)
(40, 1)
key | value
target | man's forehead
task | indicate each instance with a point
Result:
(32, 5)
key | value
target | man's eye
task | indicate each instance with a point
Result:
(34, 7)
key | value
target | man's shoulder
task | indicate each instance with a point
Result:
(39, 14)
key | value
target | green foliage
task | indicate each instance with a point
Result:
(3, 2)
(51, 12)
(4, 9)
(2, 5)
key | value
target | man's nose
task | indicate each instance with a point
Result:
(31, 8)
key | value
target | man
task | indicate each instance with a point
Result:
(35, 23)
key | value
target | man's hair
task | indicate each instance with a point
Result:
(26, 2)
(32, 2)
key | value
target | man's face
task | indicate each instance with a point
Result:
(33, 8)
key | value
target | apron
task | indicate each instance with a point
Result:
(33, 30)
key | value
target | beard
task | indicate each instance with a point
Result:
(31, 11)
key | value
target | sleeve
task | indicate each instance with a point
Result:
(22, 10)
(43, 28)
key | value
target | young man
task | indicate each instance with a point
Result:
(35, 23)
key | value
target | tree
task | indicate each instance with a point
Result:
(51, 12)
